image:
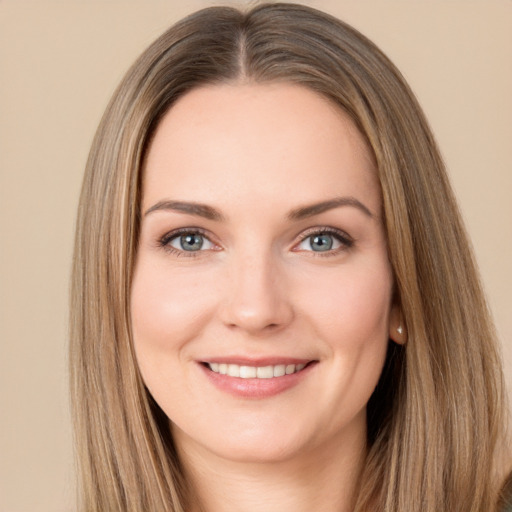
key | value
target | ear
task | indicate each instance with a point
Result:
(397, 330)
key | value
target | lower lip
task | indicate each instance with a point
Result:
(256, 388)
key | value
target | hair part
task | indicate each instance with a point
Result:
(437, 415)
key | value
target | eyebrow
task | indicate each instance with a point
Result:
(300, 213)
(201, 210)
(304, 212)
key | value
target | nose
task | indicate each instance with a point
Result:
(256, 300)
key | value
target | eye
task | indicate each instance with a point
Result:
(325, 241)
(186, 241)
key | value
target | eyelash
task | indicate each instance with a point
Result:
(164, 242)
(345, 240)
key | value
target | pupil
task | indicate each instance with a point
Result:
(191, 242)
(322, 242)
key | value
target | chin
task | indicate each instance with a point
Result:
(268, 440)
(259, 442)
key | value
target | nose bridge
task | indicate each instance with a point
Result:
(256, 297)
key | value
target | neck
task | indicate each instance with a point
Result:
(325, 478)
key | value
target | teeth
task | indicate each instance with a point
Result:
(233, 370)
(248, 372)
(265, 372)
(279, 370)
(255, 372)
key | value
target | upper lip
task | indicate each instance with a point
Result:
(256, 361)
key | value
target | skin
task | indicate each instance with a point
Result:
(259, 287)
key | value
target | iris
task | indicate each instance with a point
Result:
(322, 242)
(191, 242)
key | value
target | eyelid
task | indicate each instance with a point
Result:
(342, 236)
(164, 241)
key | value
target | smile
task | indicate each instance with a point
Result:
(256, 379)
(255, 372)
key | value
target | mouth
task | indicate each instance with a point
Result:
(249, 378)
(256, 372)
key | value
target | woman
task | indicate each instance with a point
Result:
(274, 302)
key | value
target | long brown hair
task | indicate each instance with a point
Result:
(438, 412)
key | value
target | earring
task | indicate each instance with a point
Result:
(400, 329)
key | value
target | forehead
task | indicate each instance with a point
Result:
(244, 140)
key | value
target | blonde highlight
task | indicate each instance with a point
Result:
(438, 415)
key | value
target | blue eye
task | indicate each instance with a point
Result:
(189, 241)
(321, 242)
(325, 241)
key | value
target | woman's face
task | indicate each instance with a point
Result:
(263, 255)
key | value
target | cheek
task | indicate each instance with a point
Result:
(167, 311)
(351, 306)
(350, 313)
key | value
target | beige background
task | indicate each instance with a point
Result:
(59, 62)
